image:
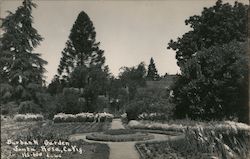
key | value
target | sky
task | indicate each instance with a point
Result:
(130, 31)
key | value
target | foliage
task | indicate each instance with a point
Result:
(81, 49)
(28, 117)
(69, 101)
(152, 73)
(82, 64)
(56, 86)
(29, 107)
(21, 69)
(150, 100)
(153, 116)
(118, 95)
(214, 83)
(120, 137)
(83, 117)
(132, 78)
(9, 108)
(216, 25)
(119, 131)
(200, 142)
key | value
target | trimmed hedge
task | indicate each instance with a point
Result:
(119, 138)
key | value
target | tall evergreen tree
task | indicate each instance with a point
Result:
(152, 71)
(81, 49)
(82, 61)
(20, 67)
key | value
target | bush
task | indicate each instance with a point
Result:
(28, 117)
(214, 84)
(150, 100)
(68, 101)
(29, 107)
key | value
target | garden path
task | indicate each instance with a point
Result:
(122, 150)
(117, 124)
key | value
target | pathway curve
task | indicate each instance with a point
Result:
(122, 150)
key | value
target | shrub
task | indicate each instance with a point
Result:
(28, 117)
(214, 84)
(150, 100)
(68, 101)
(29, 107)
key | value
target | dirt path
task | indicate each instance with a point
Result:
(122, 150)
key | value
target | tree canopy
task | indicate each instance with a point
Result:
(82, 62)
(20, 67)
(213, 61)
(133, 77)
(216, 25)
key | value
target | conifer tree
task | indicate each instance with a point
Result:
(82, 61)
(81, 49)
(152, 71)
(20, 67)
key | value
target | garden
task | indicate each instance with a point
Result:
(87, 112)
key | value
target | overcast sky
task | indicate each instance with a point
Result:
(129, 31)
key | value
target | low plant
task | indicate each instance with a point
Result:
(83, 117)
(28, 117)
(153, 116)
(120, 137)
(224, 140)
(119, 131)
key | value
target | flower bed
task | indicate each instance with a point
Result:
(155, 126)
(83, 117)
(224, 126)
(120, 138)
(28, 117)
(205, 140)
(153, 116)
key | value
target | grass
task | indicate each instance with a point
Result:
(49, 130)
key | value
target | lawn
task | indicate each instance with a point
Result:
(47, 130)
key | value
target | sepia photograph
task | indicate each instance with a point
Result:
(125, 79)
